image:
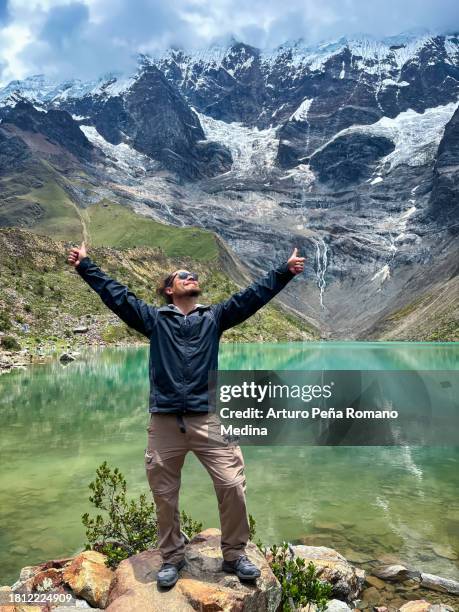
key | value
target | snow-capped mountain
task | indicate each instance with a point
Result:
(346, 149)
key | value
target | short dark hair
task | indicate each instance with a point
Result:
(161, 289)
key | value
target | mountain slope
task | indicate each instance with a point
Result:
(43, 299)
(346, 150)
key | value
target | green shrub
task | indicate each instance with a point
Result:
(10, 343)
(40, 287)
(129, 526)
(5, 323)
(300, 584)
(253, 534)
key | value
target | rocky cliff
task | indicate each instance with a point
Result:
(347, 150)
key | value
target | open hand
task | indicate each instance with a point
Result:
(76, 255)
(295, 263)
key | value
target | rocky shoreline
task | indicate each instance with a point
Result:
(84, 581)
(48, 352)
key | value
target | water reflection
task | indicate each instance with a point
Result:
(60, 422)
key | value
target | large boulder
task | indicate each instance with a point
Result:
(201, 586)
(84, 577)
(346, 580)
(89, 577)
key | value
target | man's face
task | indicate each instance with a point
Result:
(182, 287)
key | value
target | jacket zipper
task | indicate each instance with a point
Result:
(184, 383)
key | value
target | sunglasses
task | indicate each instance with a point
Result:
(182, 275)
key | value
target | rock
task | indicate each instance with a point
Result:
(336, 605)
(201, 586)
(56, 126)
(421, 605)
(33, 575)
(393, 573)
(82, 329)
(346, 579)
(66, 357)
(381, 609)
(89, 577)
(444, 551)
(326, 526)
(437, 583)
(443, 205)
(349, 158)
(4, 592)
(315, 539)
(27, 572)
(371, 595)
(375, 582)
(355, 556)
(79, 604)
(46, 579)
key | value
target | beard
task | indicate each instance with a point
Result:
(194, 292)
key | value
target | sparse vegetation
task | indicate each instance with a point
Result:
(5, 322)
(9, 343)
(52, 298)
(301, 585)
(126, 526)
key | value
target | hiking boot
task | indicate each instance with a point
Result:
(242, 567)
(168, 574)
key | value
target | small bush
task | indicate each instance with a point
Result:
(40, 288)
(5, 323)
(300, 584)
(129, 526)
(9, 343)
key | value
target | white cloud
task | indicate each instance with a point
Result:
(88, 37)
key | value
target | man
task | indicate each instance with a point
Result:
(184, 338)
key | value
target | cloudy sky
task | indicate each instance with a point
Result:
(85, 38)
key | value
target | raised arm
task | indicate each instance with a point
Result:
(245, 303)
(133, 311)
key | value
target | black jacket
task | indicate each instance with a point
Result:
(183, 348)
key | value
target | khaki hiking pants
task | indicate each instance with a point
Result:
(170, 437)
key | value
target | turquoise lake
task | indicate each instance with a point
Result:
(60, 422)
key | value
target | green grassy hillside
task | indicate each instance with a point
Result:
(41, 290)
(102, 224)
(432, 317)
(115, 225)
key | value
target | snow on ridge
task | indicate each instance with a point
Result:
(254, 151)
(416, 135)
(301, 113)
(369, 54)
(391, 83)
(125, 157)
(118, 86)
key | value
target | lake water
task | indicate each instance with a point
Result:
(59, 423)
